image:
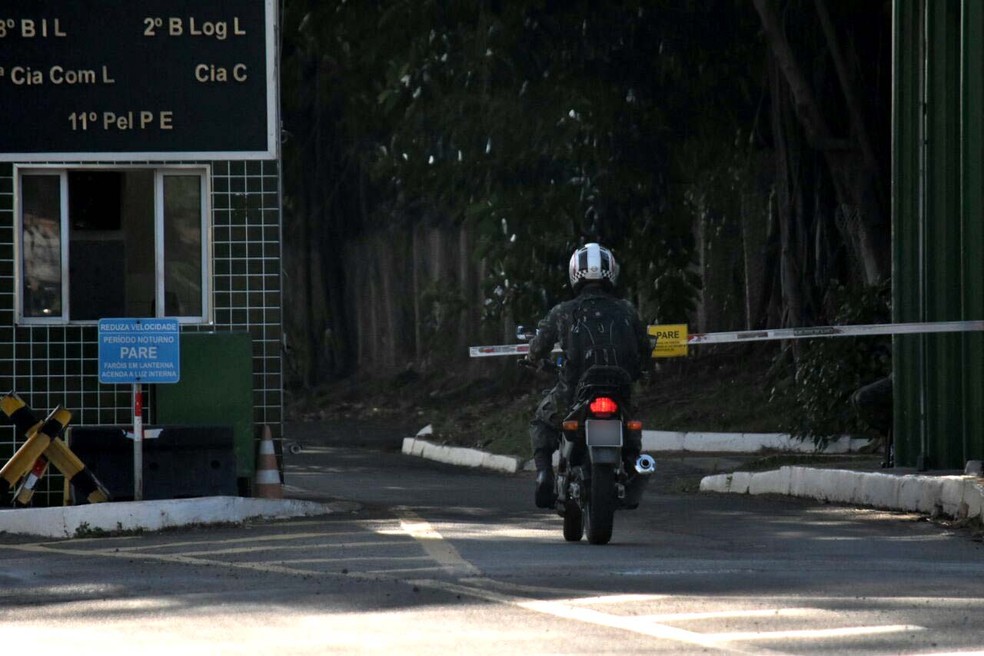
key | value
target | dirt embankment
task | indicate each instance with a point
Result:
(491, 409)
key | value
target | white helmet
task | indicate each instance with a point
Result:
(592, 262)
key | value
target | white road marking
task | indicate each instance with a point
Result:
(611, 599)
(809, 634)
(572, 609)
(733, 614)
(448, 560)
(589, 616)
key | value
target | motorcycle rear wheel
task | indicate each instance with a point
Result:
(573, 521)
(599, 509)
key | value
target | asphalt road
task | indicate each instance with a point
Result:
(423, 558)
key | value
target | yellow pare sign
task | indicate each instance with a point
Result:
(671, 340)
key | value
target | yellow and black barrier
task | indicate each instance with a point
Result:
(39, 435)
(86, 485)
(43, 443)
(24, 494)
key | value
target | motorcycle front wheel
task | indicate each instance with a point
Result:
(599, 509)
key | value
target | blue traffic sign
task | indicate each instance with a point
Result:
(139, 351)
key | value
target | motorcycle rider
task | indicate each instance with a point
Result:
(593, 275)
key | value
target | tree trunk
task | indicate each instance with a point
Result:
(786, 210)
(854, 181)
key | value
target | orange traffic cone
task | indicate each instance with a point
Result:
(268, 484)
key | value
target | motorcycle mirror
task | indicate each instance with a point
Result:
(525, 334)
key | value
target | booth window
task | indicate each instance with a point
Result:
(98, 243)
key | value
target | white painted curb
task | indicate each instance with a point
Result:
(68, 521)
(959, 497)
(654, 441)
(455, 455)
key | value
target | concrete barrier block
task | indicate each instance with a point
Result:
(475, 458)
(806, 482)
(931, 489)
(879, 490)
(464, 457)
(800, 444)
(858, 443)
(703, 442)
(846, 485)
(778, 441)
(662, 440)
(712, 442)
(771, 482)
(838, 445)
(67, 521)
(974, 498)
(716, 483)
(952, 495)
(506, 464)
(913, 496)
(433, 452)
(835, 485)
(786, 479)
(424, 449)
(741, 482)
(416, 447)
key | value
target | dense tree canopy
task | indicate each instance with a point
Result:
(716, 145)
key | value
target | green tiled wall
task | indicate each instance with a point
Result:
(51, 365)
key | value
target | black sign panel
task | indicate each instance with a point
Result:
(105, 80)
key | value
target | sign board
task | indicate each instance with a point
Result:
(139, 351)
(117, 80)
(671, 340)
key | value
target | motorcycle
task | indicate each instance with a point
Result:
(592, 480)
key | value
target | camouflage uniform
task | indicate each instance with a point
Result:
(556, 326)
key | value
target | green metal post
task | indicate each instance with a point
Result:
(907, 184)
(972, 197)
(938, 229)
(942, 228)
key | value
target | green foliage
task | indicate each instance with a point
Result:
(543, 125)
(443, 304)
(820, 378)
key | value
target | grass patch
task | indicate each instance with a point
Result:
(721, 390)
(84, 530)
(855, 462)
(726, 393)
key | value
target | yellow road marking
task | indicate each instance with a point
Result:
(435, 545)
(295, 547)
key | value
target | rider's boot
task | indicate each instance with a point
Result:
(546, 495)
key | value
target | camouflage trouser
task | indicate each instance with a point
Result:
(546, 427)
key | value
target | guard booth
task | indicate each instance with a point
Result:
(140, 177)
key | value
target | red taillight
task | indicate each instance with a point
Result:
(603, 406)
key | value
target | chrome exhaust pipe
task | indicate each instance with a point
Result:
(645, 464)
